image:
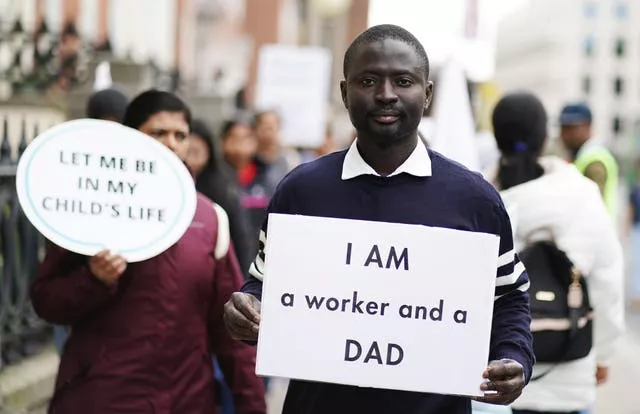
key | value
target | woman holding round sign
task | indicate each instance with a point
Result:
(140, 266)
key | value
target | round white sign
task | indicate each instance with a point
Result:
(89, 185)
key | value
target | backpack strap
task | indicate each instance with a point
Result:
(223, 238)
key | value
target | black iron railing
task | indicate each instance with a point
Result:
(21, 248)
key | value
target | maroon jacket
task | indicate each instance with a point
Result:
(146, 345)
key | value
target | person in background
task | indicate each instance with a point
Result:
(239, 147)
(593, 160)
(107, 105)
(143, 333)
(634, 239)
(255, 152)
(216, 179)
(327, 147)
(553, 202)
(270, 155)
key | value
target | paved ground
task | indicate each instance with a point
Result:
(621, 395)
(28, 384)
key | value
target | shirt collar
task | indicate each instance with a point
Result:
(418, 164)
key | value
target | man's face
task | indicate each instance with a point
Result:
(239, 146)
(267, 129)
(171, 129)
(574, 136)
(197, 154)
(386, 91)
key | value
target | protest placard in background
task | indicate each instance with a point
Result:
(88, 185)
(295, 82)
(376, 304)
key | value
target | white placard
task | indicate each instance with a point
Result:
(369, 273)
(295, 81)
(87, 185)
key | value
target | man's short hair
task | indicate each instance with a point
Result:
(107, 104)
(384, 32)
(257, 118)
(151, 102)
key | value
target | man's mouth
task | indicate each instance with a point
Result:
(386, 117)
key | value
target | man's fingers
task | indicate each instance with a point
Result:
(244, 303)
(102, 254)
(243, 333)
(238, 324)
(502, 387)
(498, 399)
(118, 264)
(121, 267)
(503, 370)
(505, 382)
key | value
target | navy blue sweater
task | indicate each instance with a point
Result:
(453, 197)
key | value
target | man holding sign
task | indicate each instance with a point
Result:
(388, 175)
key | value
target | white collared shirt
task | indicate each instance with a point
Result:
(418, 164)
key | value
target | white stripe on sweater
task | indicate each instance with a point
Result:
(518, 269)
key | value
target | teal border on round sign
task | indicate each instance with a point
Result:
(62, 236)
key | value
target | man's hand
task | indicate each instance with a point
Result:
(107, 268)
(242, 316)
(505, 379)
(602, 374)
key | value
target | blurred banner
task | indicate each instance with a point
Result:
(454, 126)
(295, 81)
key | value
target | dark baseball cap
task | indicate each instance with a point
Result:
(575, 114)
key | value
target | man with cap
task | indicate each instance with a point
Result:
(593, 160)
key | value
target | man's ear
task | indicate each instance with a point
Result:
(428, 96)
(343, 92)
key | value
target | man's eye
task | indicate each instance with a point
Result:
(367, 82)
(404, 82)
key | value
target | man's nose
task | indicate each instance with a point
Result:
(170, 141)
(386, 92)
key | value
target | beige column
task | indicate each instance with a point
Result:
(103, 21)
(358, 19)
(262, 24)
(70, 11)
(39, 13)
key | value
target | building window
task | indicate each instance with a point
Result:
(616, 125)
(618, 86)
(621, 10)
(590, 9)
(589, 46)
(586, 85)
(620, 47)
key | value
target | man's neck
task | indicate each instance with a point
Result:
(386, 159)
(269, 154)
(575, 152)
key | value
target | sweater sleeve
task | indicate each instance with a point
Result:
(253, 285)
(510, 333)
(65, 291)
(237, 360)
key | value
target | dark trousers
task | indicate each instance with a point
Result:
(543, 412)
